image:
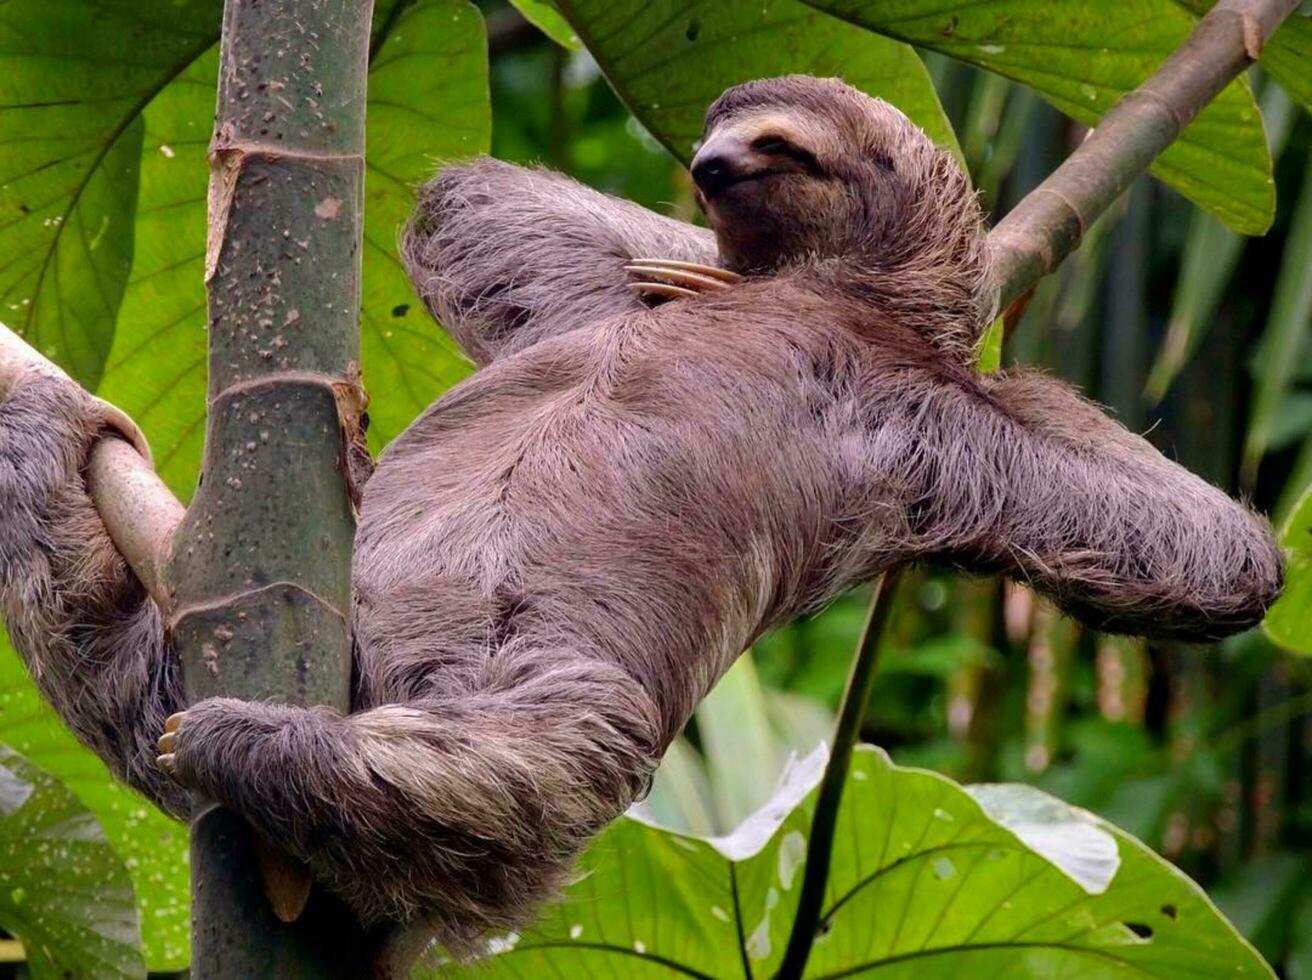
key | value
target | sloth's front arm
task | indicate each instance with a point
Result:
(1017, 473)
(90, 636)
(505, 256)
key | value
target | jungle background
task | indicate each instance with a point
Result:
(1187, 331)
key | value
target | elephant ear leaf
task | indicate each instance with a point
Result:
(928, 879)
(66, 894)
(668, 59)
(75, 78)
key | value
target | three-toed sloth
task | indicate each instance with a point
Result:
(559, 558)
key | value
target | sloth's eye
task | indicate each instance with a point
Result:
(771, 144)
(778, 146)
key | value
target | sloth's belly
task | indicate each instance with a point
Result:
(663, 523)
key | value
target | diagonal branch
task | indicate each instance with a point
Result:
(1045, 227)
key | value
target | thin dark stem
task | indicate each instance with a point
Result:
(819, 849)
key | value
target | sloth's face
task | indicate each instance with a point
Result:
(797, 168)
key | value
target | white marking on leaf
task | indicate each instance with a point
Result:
(792, 852)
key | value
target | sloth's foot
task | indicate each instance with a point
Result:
(287, 880)
(167, 759)
(671, 278)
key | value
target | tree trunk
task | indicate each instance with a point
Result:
(259, 576)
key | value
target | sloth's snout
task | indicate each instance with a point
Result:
(720, 162)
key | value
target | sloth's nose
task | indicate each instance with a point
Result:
(720, 162)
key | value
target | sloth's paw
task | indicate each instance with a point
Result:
(662, 279)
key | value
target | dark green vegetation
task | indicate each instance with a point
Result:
(1166, 314)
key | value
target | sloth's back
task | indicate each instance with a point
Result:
(641, 490)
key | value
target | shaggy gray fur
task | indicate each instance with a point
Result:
(93, 642)
(560, 557)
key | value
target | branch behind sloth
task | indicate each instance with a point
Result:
(557, 560)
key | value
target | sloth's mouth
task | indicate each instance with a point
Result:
(737, 180)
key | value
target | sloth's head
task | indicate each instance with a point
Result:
(798, 168)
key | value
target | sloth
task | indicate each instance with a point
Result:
(558, 558)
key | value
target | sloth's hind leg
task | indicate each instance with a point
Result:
(464, 811)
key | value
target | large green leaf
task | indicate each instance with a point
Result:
(153, 846)
(428, 100)
(156, 368)
(680, 795)
(63, 889)
(748, 733)
(1082, 58)
(1289, 621)
(670, 59)
(926, 883)
(74, 77)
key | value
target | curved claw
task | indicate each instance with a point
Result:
(167, 760)
(663, 289)
(115, 418)
(701, 269)
(699, 278)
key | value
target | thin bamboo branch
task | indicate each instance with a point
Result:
(820, 846)
(1049, 223)
(139, 511)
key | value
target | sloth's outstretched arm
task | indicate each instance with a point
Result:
(505, 256)
(463, 810)
(1019, 473)
(90, 637)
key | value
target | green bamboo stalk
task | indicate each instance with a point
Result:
(1285, 335)
(260, 569)
(1211, 252)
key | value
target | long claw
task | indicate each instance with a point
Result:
(167, 741)
(120, 421)
(168, 763)
(664, 265)
(174, 721)
(661, 289)
(680, 277)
